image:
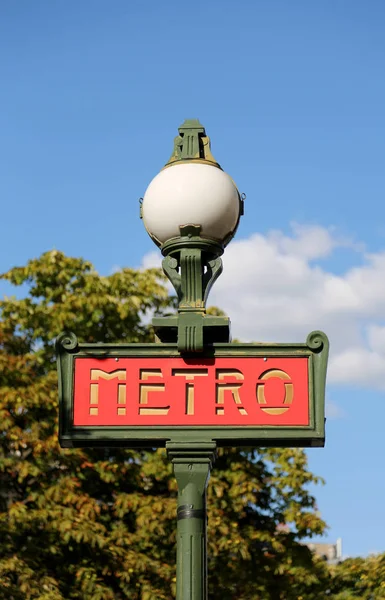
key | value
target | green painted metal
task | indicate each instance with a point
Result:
(192, 145)
(192, 264)
(315, 349)
(192, 464)
(199, 263)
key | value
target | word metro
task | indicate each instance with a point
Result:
(163, 391)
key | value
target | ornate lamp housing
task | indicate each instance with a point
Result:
(191, 210)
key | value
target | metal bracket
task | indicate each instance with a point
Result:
(192, 264)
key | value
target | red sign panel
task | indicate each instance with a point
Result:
(165, 391)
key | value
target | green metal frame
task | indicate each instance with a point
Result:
(192, 264)
(315, 349)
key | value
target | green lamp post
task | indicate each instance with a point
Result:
(191, 210)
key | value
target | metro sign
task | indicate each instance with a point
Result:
(147, 394)
(176, 391)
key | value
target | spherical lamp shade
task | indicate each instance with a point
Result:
(191, 194)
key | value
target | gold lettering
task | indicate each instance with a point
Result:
(190, 374)
(121, 398)
(97, 374)
(94, 393)
(221, 388)
(146, 388)
(289, 391)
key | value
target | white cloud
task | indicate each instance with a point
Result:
(152, 260)
(358, 365)
(309, 241)
(115, 269)
(376, 338)
(274, 288)
(333, 411)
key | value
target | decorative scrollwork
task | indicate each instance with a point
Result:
(317, 340)
(214, 269)
(67, 341)
(170, 268)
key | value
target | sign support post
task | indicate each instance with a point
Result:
(192, 468)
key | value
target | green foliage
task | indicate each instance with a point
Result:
(100, 523)
(359, 578)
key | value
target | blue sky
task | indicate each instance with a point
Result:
(292, 95)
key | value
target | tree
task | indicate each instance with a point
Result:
(359, 578)
(100, 523)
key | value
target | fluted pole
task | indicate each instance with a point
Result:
(192, 464)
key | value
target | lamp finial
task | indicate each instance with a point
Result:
(192, 145)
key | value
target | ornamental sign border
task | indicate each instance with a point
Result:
(316, 349)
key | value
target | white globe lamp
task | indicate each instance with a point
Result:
(191, 209)
(191, 194)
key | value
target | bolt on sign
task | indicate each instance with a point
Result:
(234, 394)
